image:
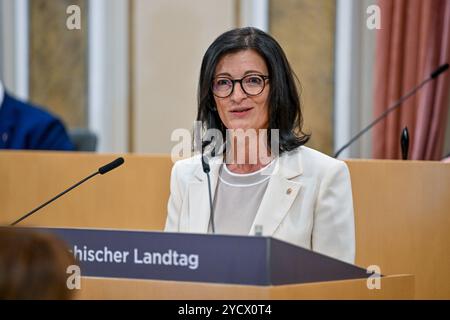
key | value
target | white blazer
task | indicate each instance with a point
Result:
(308, 202)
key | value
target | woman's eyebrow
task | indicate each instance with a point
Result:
(246, 73)
(223, 74)
(253, 71)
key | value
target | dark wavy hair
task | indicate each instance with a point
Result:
(284, 101)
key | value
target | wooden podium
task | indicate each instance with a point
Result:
(401, 214)
(199, 266)
(393, 287)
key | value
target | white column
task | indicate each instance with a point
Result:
(344, 77)
(15, 50)
(354, 60)
(108, 73)
(255, 13)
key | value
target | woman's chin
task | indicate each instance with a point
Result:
(240, 125)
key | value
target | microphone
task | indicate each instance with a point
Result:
(439, 70)
(103, 170)
(398, 103)
(404, 143)
(111, 166)
(207, 170)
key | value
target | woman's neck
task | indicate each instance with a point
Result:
(245, 168)
(247, 155)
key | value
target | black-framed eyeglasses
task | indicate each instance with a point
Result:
(252, 85)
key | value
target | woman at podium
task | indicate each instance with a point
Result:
(255, 176)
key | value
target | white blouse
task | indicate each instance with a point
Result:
(237, 199)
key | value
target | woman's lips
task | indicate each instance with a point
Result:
(241, 112)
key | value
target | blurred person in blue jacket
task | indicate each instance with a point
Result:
(27, 127)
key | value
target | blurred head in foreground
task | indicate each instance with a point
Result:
(33, 265)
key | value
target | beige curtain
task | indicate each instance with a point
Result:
(413, 41)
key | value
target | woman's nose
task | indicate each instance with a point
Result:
(238, 93)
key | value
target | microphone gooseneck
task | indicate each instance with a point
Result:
(207, 170)
(103, 170)
(397, 104)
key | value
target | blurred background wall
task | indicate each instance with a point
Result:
(169, 38)
(130, 73)
(58, 63)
